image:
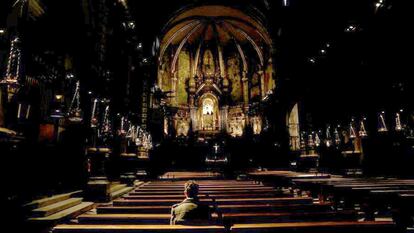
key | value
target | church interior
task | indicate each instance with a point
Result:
(290, 115)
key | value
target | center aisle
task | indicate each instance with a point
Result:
(239, 206)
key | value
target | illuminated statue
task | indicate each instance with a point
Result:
(362, 132)
(257, 125)
(208, 114)
(208, 64)
(182, 128)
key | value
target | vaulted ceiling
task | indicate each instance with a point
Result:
(221, 24)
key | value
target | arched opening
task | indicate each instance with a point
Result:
(208, 113)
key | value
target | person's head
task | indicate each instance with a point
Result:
(191, 189)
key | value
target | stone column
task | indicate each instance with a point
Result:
(245, 82)
(262, 83)
(193, 116)
(191, 91)
(2, 102)
(224, 114)
(174, 89)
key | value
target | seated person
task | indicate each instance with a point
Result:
(190, 211)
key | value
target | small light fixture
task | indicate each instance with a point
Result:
(58, 97)
(57, 113)
(2, 31)
(90, 92)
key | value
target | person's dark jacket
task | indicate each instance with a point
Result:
(189, 212)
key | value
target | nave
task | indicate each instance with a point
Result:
(291, 115)
(238, 206)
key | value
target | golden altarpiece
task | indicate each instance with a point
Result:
(215, 61)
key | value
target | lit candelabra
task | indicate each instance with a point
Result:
(328, 137)
(352, 133)
(94, 115)
(382, 127)
(337, 137)
(143, 139)
(317, 140)
(362, 131)
(311, 143)
(74, 111)
(131, 133)
(106, 123)
(12, 77)
(302, 141)
(398, 125)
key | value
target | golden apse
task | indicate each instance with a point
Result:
(216, 61)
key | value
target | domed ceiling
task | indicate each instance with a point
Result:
(218, 24)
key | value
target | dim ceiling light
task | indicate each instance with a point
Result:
(2, 31)
(312, 60)
(351, 28)
(379, 3)
(323, 51)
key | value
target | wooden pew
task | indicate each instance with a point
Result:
(153, 202)
(274, 208)
(277, 200)
(238, 201)
(201, 190)
(204, 186)
(159, 196)
(83, 228)
(271, 217)
(124, 219)
(178, 192)
(317, 227)
(214, 196)
(134, 209)
(129, 219)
